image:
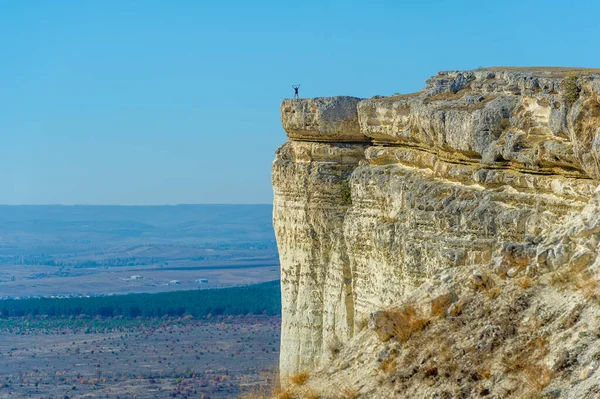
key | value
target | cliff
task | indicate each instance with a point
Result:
(460, 222)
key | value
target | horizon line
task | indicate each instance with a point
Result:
(181, 204)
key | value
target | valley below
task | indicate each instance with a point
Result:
(68, 251)
(138, 358)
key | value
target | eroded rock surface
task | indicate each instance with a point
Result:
(331, 119)
(483, 171)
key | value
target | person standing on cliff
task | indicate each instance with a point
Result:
(296, 87)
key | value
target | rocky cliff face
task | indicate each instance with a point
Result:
(390, 200)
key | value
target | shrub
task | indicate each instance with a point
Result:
(299, 378)
(571, 89)
(482, 282)
(524, 282)
(345, 192)
(406, 321)
(486, 372)
(389, 365)
(493, 293)
(440, 305)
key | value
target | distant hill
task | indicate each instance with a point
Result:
(180, 220)
(99, 247)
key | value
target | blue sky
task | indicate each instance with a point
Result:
(166, 102)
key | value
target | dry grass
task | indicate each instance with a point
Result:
(482, 282)
(350, 393)
(254, 395)
(486, 284)
(524, 282)
(528, 364)
(440, 305)
(262, 393)
(576, 276)
(311, 394)
(537, 377)
(553, 72)
(486, 372)
(561, 279)
(448, 96)
(493, 293)
(271, 389)
(389, 365)
(457, 308)
(406, 321)
(299, 378)
(515, 256)
(283, 394)
(398, 96)
(587, 285)
(362, 322)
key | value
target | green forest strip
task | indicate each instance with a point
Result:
(259, 299)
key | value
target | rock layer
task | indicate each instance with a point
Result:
(374, 197)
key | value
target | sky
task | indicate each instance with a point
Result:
(168, 102)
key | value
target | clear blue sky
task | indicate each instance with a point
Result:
(165, 102)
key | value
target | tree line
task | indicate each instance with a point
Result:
(256, 299)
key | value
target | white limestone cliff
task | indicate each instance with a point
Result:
(483, 171)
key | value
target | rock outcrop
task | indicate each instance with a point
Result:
(390, 201)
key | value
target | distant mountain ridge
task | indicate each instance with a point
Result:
(99, 247)
(180, 220)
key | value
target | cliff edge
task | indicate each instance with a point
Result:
(442, 244)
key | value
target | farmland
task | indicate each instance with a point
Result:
(136, 358)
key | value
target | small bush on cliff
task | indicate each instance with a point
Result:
(440, 304)
(571, 89)
(299, 378)
(345, 192)
(406, 322)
